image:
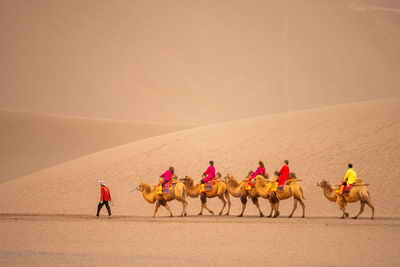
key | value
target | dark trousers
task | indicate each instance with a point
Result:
(101, 205)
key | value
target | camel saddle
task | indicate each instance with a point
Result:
(282, 186)
(346, 190)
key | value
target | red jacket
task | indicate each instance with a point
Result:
(209, 173)
(260, 171)
(284, 174)
(105, 193)
(167, 176)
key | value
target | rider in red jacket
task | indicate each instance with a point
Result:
(283, 175)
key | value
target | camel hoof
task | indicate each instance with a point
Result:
(261, 215)
(212, 213)
(355, 217)
(346, 214)
(290, 216)
(342, 217)
(219, 214)
(200, 214)
(269, 216)
(277, 213)
(372, 218)
(240, 215)
(227, 214)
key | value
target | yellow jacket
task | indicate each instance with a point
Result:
(350, 176)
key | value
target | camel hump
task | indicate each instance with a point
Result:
(218, 175)
(359, 181)
(292, 175)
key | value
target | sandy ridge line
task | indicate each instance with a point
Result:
(379, 221)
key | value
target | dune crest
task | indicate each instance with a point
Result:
(32, 141)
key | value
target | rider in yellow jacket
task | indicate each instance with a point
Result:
(349, 178)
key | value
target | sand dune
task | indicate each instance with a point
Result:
(319, 143)
(31, 142)
(195, 61)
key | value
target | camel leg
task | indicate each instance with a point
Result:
(243, 199)
(367, 200)
(167, 207)
(294, 207)
(224, 203)
(156, 209)
(184, 202)
(271, 203)
(276, 208)
(303, 206)
(201, 211)
(343, 209)
(270, 215)
(361, 209)
(203, 199)
(228, 199)
(255, 201)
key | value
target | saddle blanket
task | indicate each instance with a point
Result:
(166, 188)
(346, 190)
(280, 188)
(208, 185)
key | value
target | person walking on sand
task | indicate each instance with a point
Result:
(105, 197)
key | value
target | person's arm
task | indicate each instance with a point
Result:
(102, 194)
(164, 174)
(347, 175)
(280, 172)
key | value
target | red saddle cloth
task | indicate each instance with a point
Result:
(166, 188)
(208, 185)
(346, 190)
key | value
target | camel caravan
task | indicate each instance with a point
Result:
(284, 185)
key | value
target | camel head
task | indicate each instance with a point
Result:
(140, 187)
(187, 180)
(143, 186)
(323, 183)
(228, 177)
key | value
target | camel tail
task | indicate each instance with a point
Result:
(302, 193)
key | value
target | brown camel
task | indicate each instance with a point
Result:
(359, 192)
(238, 189)
(150, 195)
(218, 190)
(263, 188)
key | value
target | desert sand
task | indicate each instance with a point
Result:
(364, 133)
(32, 141)
(180, 61)
(121, 91)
